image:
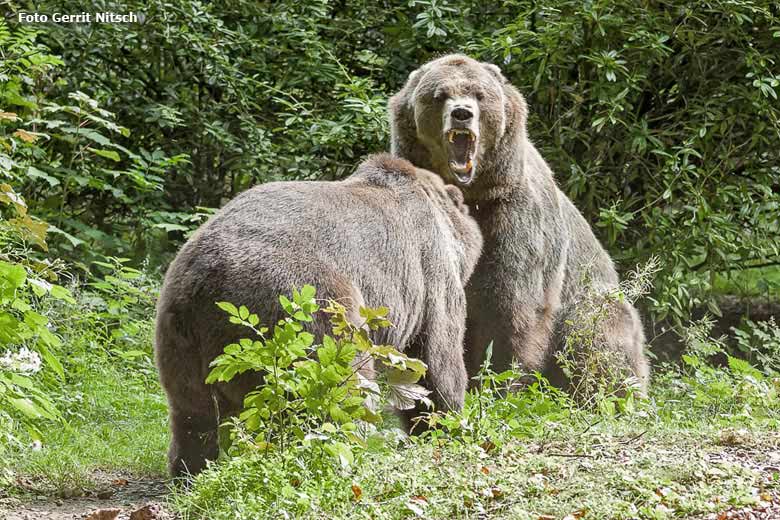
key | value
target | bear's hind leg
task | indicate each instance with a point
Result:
(193, 435)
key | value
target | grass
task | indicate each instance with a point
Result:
(610, 472)
(680, 454)
(115, 420)
(665, 460)
(661, 461)
(633, 467)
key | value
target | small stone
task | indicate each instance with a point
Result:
(103, 514)
(148, 512)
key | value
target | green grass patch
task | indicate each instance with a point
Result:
(701, 443)
(636, 466)
(115, 420)
(111, 414)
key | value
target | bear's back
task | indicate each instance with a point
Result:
(368, 230)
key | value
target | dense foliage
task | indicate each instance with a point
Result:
(661, 119)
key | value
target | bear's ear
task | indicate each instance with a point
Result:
(403, 127)
(516, 110)
(402, 104)
(495, 71)
(413, 79)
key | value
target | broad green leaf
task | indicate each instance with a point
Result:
(75, 242)
(51, 360)
(61, 293)
(27, 407)
(342, 452)
(13, 274)
(35, 173)
(168, 226)
(308, 292)
(228, 307)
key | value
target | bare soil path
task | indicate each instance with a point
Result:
(117, 497)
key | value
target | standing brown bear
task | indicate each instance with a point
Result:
(463, 120)
(390, 234)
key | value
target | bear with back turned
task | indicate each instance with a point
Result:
(464, 121)
(389, 235)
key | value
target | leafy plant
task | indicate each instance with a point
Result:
(26, 338)
(313, 393)
(737, 390)
(598, 374)
(503, 406)
(66, 154)
(760, 343)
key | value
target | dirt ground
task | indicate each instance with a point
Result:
(118, 497)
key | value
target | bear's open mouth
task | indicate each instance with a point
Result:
(462, 148)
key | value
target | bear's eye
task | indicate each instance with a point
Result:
(440, 95)
(479, 95)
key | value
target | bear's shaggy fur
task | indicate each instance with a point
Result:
(390, 234)
(463, 120)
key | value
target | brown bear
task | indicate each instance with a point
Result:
(389, 235)
(463, 120)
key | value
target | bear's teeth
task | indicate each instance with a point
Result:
(460, 131)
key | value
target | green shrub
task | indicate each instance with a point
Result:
(503, 407)
(760, 344)
(94, 194)
(313, 394)
(27, 291)
(737, 392)
(599, 374)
